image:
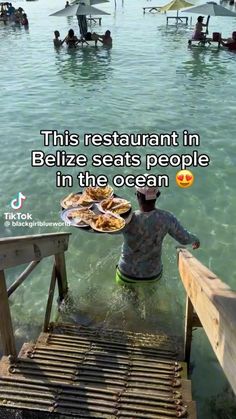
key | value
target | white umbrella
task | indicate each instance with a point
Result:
(90, 2)
(79, 9)
(210, 9)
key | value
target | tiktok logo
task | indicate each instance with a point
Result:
(17, 202)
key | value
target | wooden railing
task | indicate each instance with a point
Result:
(30, 249)
(210, 304)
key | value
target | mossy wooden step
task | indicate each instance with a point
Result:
(79, 372)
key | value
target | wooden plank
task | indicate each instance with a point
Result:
(4, 367)
(26, 349)
(215, 305)
(192, 410)
(50, 300)
(61, 275)
(22, 277)
(153, 8)
(17, 239)
(6, 328)
(34, 248)
(186, 390)
(188, 330)
(184, 371)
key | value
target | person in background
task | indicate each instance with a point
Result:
(20, 11)
(106, 39)
(199, 34)
(230, 43)
(11, 9)
(24, 20)
(17, 18)
(140, 260)
(57, 42)
(91, 37)
(67, 4)
(4, 17)
(71, 39)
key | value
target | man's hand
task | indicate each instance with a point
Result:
(196, 245)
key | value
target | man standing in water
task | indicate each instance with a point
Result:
(140, 260)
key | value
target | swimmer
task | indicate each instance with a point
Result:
(11, 9)
(106, 39)
(230, 43)
(4, 16)
(57, 42)
(17, 18)
(71, 39)
(24, 20)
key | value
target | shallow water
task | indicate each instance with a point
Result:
(149, 82)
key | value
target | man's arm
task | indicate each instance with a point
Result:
(225, 44)
(179, 233)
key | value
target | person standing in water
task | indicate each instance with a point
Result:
(71, 39)
(24, 20)
(198, 34)
(230, 43)
(57, 42)
(140, 260)
(106, 39)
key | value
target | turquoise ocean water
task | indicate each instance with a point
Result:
(149, 82)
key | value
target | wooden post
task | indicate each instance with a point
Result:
(6, 329)
(188, 330)
(50, 300)
(61, 275)
(215, 304)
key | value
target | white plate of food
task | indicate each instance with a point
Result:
(74, 200)
(107, 223)
(115, 205)
(78, 217)
(98, 194)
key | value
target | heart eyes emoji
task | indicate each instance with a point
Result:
(184, 178)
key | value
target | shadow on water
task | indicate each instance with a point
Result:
(174, 33)
(205, 63)
(85, 64)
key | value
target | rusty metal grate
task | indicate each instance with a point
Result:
(85, 373)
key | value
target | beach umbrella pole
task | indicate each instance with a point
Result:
(207, 23)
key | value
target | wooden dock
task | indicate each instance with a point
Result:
(153, 9)
(76, 372)
(81, 372)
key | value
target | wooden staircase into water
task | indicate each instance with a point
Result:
(79, 372)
